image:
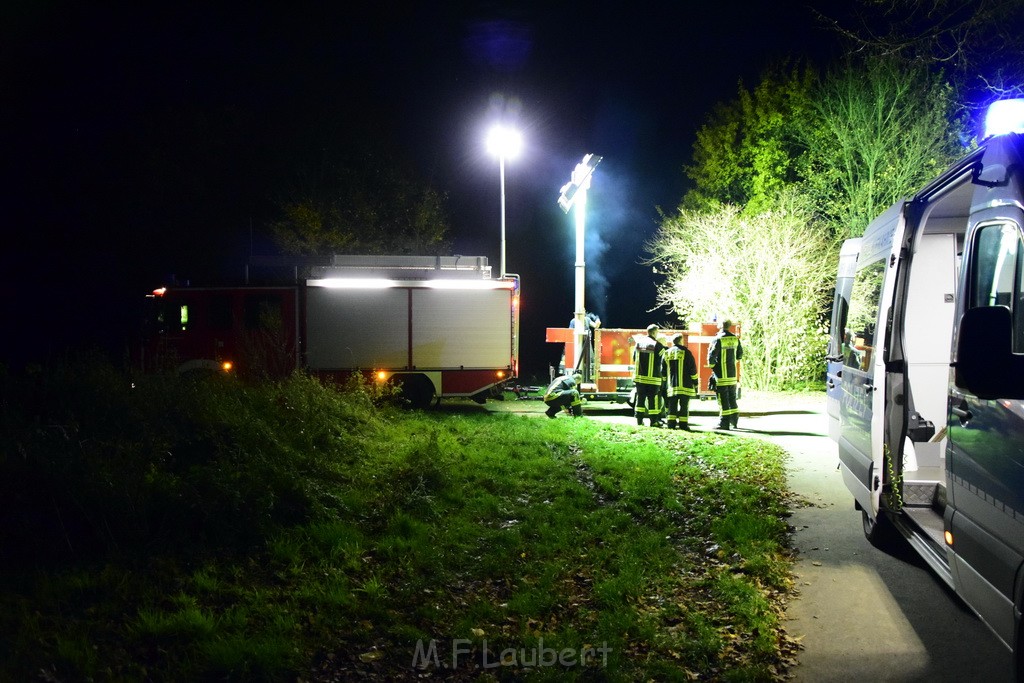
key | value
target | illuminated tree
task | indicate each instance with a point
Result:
(772, 271)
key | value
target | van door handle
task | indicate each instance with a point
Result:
(962, 412)
(869, 387)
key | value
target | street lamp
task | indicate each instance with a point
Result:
(503, 142)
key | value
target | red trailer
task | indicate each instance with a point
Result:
(608, 376)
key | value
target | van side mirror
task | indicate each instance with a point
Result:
(985, 363)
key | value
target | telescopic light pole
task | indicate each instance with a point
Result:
(574, 194)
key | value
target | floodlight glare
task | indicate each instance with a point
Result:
(580, 180)
(568, 191)
(504, 142)
(1004, 116)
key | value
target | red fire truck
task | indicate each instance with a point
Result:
(437, 326)
(608, 376)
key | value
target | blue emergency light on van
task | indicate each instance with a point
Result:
(1004, 116)
(926, 372)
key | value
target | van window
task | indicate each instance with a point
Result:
(996, 278)
(865, 298)
(840, 314)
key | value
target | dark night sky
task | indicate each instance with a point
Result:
(146, 140)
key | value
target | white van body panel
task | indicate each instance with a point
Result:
(929, 325)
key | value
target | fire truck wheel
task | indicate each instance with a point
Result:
(417, 390)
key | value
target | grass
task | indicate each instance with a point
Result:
(168, 530)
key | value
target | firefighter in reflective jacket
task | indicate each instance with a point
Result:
(681, 369)
(724, 354)
(648, 374)
(563, 393)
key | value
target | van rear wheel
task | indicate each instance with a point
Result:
(879, 531)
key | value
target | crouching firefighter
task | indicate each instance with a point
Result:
(682, 383)
(564, 394)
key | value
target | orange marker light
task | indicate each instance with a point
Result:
(949, 538)
(381, 375)
(227, 366)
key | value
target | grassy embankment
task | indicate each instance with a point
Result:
(177, 531)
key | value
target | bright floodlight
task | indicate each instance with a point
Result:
(504, 142)
(1004, 116)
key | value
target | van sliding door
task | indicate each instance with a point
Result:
(863, 402)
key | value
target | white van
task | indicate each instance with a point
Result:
(929, 418)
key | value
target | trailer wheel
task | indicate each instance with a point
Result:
(417, 390)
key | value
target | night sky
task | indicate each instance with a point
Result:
(150, 140)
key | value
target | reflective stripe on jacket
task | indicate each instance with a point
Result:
(648, 366)
(682, 371)
(558, 386)
(725, 351)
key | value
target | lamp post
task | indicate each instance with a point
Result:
(504, 143)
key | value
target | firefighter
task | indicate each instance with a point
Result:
(681, 375)
(724, 355)
(563, 394)
(648, 375)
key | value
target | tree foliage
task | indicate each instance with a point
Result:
(770, 270)
(876, 130)
(746, 152)
(364, 205)
(976, 41)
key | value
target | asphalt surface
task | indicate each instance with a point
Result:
(862, 614)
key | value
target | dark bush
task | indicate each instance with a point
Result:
(94, 460)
